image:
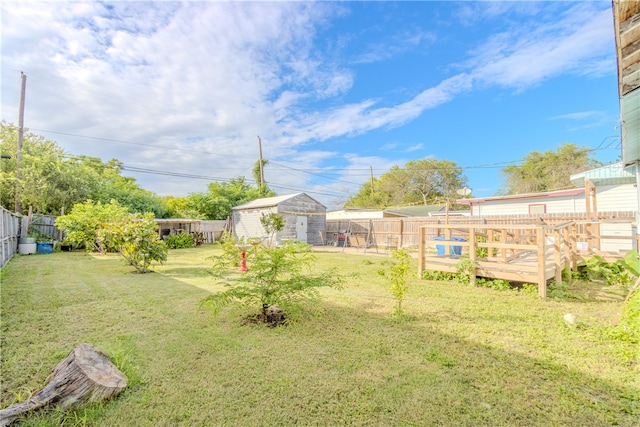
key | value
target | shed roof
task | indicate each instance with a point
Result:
(268, 202)
(177, 221)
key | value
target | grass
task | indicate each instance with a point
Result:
(465, 356)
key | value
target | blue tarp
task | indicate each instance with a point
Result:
(453, 250)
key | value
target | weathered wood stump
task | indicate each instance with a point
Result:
(85, 375)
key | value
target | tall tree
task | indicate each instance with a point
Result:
(51, 179)
(221, 197)
(258, 173)
(421, 181)
(549, 170)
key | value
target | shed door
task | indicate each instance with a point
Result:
(301, 228)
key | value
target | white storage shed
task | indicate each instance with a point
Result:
(305, 218)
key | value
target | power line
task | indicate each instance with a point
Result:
(163, 147)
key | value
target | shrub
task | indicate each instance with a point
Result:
(180, 241)
(136, 239)
(397, 275)
(85, 220)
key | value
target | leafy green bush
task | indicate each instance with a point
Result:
(465, 269)
(621, 272)
(136, 239)
(180, 241)
(85, 220)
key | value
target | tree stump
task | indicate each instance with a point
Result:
(85, 375)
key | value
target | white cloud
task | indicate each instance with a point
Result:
(579, 43)
(205, 78)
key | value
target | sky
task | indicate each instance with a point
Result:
(182, 92)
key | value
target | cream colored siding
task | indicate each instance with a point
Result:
(565, 204)
(608, 199)
(617, 198)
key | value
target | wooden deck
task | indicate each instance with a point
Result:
(523, 253)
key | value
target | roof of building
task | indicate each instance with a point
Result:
(268, 202)
(613, 174)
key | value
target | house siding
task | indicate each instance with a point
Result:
(608, 199)
(617, 198)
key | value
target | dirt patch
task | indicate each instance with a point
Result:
(272, 317)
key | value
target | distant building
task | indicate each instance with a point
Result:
(610, 198)
(391, 212)
(304, 218)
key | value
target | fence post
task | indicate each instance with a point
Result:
(557, 256)
(421, 243)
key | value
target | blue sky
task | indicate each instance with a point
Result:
(334, 89)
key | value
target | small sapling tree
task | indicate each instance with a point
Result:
(279, 281)
(397, 275)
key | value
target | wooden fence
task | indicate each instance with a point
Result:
(405, 232)
(9, 235)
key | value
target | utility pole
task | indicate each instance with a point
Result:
(23, 89)
(371, 171)
(261, 170)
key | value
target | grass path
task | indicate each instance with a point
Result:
(468, 357)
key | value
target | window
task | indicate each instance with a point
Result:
(537, 209)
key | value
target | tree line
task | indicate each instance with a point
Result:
(51, 180)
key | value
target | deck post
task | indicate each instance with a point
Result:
(472, 255)
(567, 247)
(574, 246)
(557, 255)
(542, 268)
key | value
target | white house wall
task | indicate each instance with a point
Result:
(617, 198)
(564, 204)
(608, 199)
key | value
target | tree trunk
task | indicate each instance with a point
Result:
(85, 375)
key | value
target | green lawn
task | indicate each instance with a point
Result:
(466, 357)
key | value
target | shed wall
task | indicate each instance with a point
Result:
(247, 221)
(304, 206)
